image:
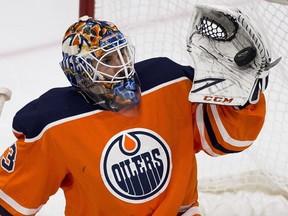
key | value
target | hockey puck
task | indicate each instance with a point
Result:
(245, 56)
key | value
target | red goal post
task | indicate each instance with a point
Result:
(86, 7)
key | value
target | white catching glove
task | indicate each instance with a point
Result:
(230, 56)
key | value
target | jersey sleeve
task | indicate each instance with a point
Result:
(30, 172)
(221, 130)
(33, 169)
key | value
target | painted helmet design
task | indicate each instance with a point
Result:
(99, 60)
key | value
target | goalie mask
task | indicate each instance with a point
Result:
(230, 56)
(99, 60)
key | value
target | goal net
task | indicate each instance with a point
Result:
(254, 182)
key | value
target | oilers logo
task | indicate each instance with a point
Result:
(136, 165)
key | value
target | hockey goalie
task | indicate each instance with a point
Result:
(122, 138)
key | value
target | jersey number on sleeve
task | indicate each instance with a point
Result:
(8, 161)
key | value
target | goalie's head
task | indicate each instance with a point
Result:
(99, 60)
(222, 39)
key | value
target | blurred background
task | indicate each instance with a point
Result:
(30, 51)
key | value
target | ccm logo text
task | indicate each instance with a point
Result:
(217, 99)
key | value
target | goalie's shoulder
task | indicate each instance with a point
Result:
(55, 104)
(159, 70)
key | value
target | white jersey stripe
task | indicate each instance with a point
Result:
(52, 124)
(192, 211)
(201, 127)
(187, 210)
(164, 85)
(225, 135)
(17, 206)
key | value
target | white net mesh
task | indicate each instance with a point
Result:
(159, 28)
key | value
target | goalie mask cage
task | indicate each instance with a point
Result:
(254, 182)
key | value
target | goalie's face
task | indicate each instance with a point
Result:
(113, 65)
(112, 81)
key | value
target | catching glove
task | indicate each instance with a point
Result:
(230, 56)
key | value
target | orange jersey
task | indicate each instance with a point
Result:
(108, 164)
